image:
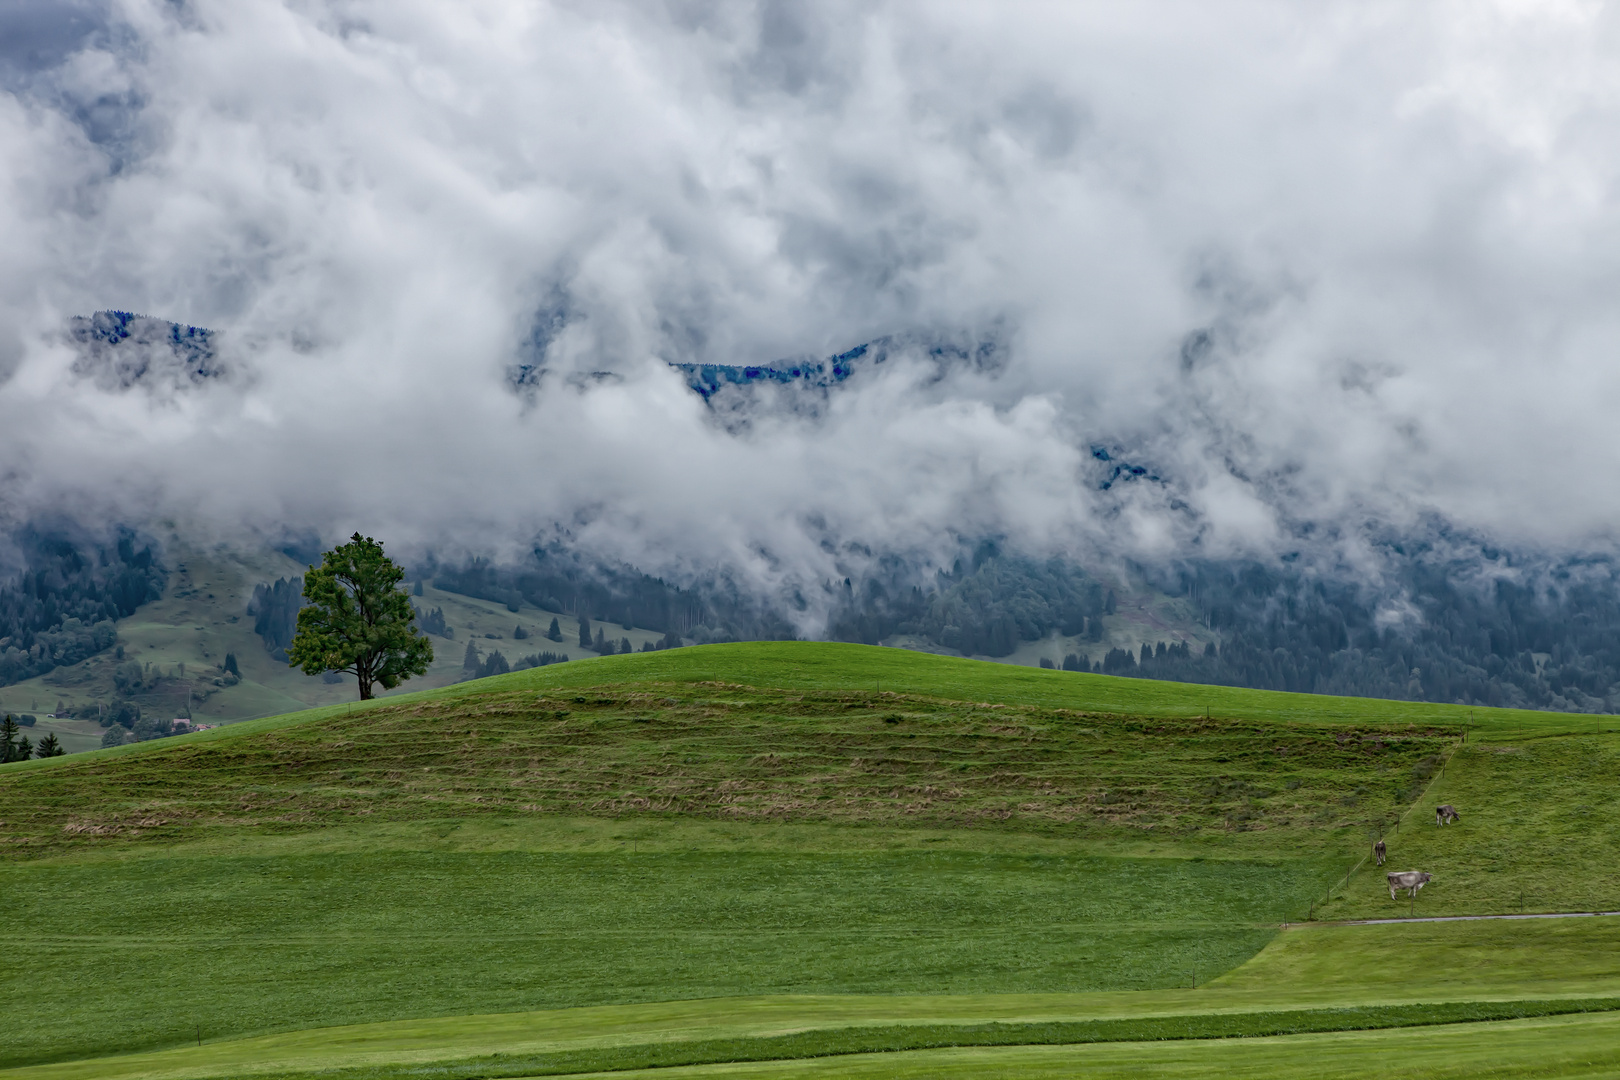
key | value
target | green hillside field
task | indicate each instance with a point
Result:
(185, 636)
(796, 858)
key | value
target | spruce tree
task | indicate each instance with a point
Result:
(584, 632)
(469, 662)
(555, 633)
(625, 646)
(10, 736)
(49, 747)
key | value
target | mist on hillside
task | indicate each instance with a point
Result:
(1159, 282)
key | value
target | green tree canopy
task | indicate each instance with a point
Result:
(359, 620)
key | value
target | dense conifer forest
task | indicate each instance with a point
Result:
(60, 607)
(1548, 639)
(1481, 632)
(559, 579)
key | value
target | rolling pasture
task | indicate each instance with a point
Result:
(799, 859)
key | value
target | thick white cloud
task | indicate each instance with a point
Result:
(1336, 264)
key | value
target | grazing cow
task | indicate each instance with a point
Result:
(1407, 879)
(1445, 815)
(1379, 851)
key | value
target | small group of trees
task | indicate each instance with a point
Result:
(433, 622)
(472, 667)
(275, 613)
(1125, 662)
(132, 677)
(606, 646)
(125, 723)
(15, 746)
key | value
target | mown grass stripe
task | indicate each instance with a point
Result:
(902, 1037)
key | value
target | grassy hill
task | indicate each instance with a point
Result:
(202, 616)
(183, 638)
(772, 852)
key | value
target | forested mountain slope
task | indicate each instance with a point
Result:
(60, 608)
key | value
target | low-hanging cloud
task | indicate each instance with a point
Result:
(1321, 269)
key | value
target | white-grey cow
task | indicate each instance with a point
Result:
(1407, 879)
(1445, 815)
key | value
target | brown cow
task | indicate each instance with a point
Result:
(1445, 815)
(1379, 852)
(1406, 879)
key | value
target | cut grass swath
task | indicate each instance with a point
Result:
(897, 1038)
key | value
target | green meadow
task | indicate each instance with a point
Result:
(797, 859)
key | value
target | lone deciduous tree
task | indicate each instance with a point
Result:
(359, 620)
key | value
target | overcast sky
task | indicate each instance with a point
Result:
(1317, 266)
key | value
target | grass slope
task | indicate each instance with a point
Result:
(1539, 831)
(834, 666)
(842, 757)
(770, 819)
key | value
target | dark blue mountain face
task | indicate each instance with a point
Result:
(120, 351)
(709, 379)
(1113, 469)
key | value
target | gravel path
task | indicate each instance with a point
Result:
(1465, 918)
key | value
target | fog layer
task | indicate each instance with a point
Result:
(1317, 271)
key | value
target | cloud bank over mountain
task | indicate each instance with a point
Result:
(1316, 271)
